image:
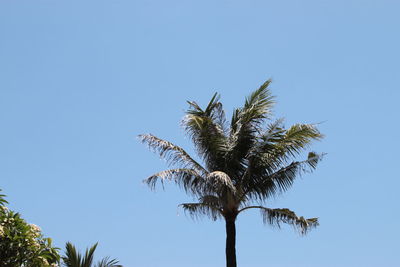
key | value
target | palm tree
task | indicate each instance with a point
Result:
(245, 161)
(73, 258)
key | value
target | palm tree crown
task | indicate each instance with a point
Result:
(245, 161)
(73, 258)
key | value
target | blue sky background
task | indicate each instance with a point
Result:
(79, 80)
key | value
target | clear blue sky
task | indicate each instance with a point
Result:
(79, 80)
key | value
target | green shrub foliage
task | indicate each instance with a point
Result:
(23, 244)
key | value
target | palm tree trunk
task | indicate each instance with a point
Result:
(230, 249)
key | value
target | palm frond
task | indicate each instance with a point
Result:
(209, 209)
(274, 132)
(172, 153)
(214, 110)
(296, 139)
(191, 181)
(72, 257)
(207, 130)
(211, 200)
(280, 181)
(256, 108)
(107, 262)
(277, 216)
(2, 199)
(259, 159)
(87, 260)
(261, 100)
(277, 145)
(246, 126)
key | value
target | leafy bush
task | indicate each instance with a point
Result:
(23, 244)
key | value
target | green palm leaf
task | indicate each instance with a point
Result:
(269, 185)
(2, 199)
(206, 128)
(73, 258)
(246, 125)
(172, 153)
(107, 262)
